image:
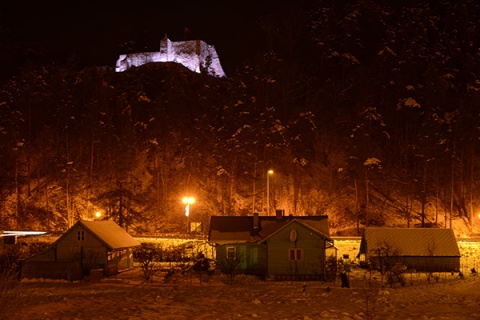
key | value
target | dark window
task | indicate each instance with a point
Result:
(81, 235)
(231, 253)
(295, 254)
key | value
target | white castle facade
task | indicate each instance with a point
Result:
(195, 55)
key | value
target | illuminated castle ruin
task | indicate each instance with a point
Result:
(195, 55)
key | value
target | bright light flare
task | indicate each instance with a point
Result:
(21, 233)
(188, 201)
(98, 214)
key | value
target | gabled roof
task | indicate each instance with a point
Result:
(230, 230)
(412, 241)
(312, 225)
(111, 234)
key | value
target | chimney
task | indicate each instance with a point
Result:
(255, 220)
(279, 214)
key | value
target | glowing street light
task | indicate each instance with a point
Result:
(188, 201)
(269, 172)
(98, 214)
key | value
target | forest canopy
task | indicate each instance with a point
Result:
(365, 111)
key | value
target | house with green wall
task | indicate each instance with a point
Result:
(87, 245)
(279, 247)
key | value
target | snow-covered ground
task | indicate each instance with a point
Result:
(126, 297)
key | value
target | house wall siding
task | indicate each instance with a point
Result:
(88, 250)
(313, 253)
(251, 257)
(432, 264)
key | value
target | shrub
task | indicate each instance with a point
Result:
(146, 255)
(9, 274)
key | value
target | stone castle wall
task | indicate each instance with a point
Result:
(195, 55)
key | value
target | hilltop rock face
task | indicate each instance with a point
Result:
(195, 55)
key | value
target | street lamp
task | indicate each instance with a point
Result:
(269, 172)
(188, 201)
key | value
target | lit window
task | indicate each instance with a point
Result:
(295, 254)
(231, 253)
(81, 235)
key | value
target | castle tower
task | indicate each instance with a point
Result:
(166, 49)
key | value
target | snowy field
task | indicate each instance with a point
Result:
(125, 296)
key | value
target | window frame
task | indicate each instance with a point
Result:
(231, 253)
(295, 254)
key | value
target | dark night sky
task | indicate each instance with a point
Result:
(96, 31)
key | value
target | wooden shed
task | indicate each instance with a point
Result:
(420, 249)
(92, 245)
(284, 247)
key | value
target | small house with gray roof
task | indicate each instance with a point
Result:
(87, 245)
(420, 249)
(281, 247)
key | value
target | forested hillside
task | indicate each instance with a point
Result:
(365, 111)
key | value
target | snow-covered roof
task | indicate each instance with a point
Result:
(110, 233)
(412, 241)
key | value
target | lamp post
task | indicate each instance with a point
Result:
(188, 201)
(269, 172)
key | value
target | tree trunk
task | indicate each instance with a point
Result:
(67, 187)
(357, 206)
(232, 188)
(452, 190)
(120, 209)
(254, 185)
(424, 193)
(17, 192)
(366, 199)
(472, 159)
